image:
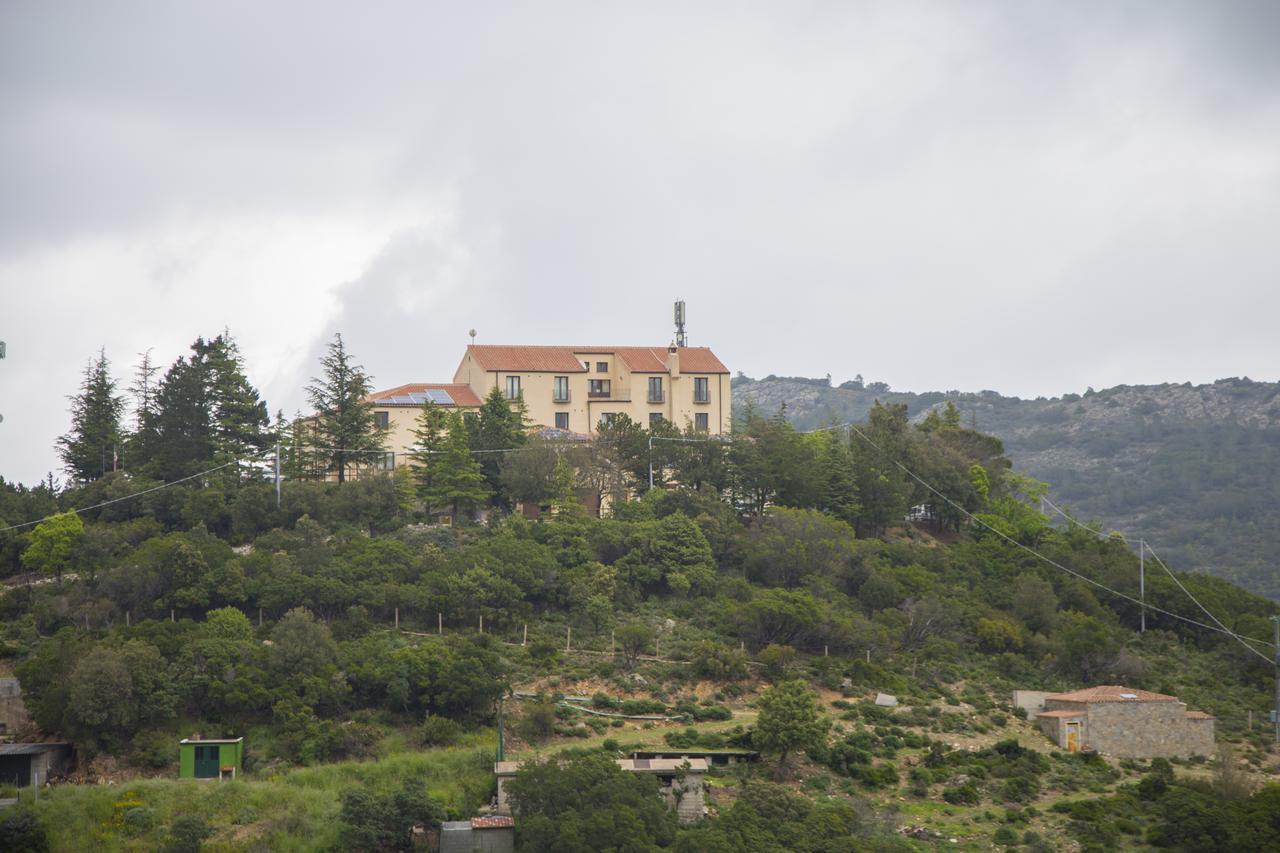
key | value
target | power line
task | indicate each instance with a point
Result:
(1042, 557)
(1152, 551)
(124, 498)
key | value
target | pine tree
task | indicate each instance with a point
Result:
(241, 424)
(429, 434)
(458, 481)
(500, 425)
(90, 449)
(345, 432)
(840, 489)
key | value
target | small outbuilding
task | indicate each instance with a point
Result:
(485, 834)
(25, 764)
(1125, 722)
(210, 759)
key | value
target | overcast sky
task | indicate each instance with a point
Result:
(1027, 197)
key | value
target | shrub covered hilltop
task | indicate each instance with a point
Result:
(757, 598)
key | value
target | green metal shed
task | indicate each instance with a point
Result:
(210, 759)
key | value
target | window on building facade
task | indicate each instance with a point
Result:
(701, 390)
(655, 389)
(606, 418)
(597, 387)
(386, 461)
(562, 420)
(700, 422)
(655, 418)
(560, 389)
(602, 367)
(513, 387)
(381, 419)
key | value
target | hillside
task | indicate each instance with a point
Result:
(1193, 469)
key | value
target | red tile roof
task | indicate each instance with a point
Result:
(564, 359)
(1199, 715)
(492, 822)
(1112, 693)
(1061, 714)
(462, 394)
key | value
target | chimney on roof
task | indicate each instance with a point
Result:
(673, 361)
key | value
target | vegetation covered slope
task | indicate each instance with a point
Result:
(1193, 469)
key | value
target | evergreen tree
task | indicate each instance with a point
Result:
(204, 412)
(89, 450)
(458, 481)
(345, 432)
(430, 430)
(500, 425)
(839, 488)
(241, 424)
(139, 444)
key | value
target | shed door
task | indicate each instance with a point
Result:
(206, 762)
(1073, 737)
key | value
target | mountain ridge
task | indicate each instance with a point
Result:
(1193, 469)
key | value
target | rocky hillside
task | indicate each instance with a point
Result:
(1193, 469)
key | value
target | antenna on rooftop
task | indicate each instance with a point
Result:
(681, 340)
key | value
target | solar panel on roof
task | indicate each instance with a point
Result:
(440, 396)
(402, 400)
(417, 397)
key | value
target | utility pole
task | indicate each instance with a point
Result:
(1276, 621)
(277, 475)
(651, 462)
(1142, 580)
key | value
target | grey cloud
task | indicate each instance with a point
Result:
(907, 191)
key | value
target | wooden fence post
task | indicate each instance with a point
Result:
(613, 649)
(259, 617)
(397, 618)
(525, 641)
(171, 619)
(568, 634)
(440, 624)
(481, 623)
(126, 619)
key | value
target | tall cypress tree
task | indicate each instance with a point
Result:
(90, 449)
(457, 481)
(241, 423)
(345, 432)
(500, 425)
(429, 436)
(203, 412)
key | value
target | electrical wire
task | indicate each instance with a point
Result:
(124, 498)
(1042, 557)
(1142, 543)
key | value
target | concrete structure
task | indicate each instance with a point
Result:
(681, 782)
(210, 759)
(1031, 701)
(489, 834)
(578, 388)
(24, 764)
(711, 756)
(13, 713)
(1126, 723)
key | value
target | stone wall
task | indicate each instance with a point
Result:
(1145, 730)
(13, 713)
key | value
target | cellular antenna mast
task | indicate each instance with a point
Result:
(681, 340)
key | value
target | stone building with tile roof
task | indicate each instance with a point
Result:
(1125, 722)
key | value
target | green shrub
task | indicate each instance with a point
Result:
(187, 833)
(138, 820)
(962, 795)
(439, 731)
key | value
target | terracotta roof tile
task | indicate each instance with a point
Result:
(492, 822)
(1060, 714)
(564, 359)
(462, 394)
(1199, 715)
(1112, 693)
